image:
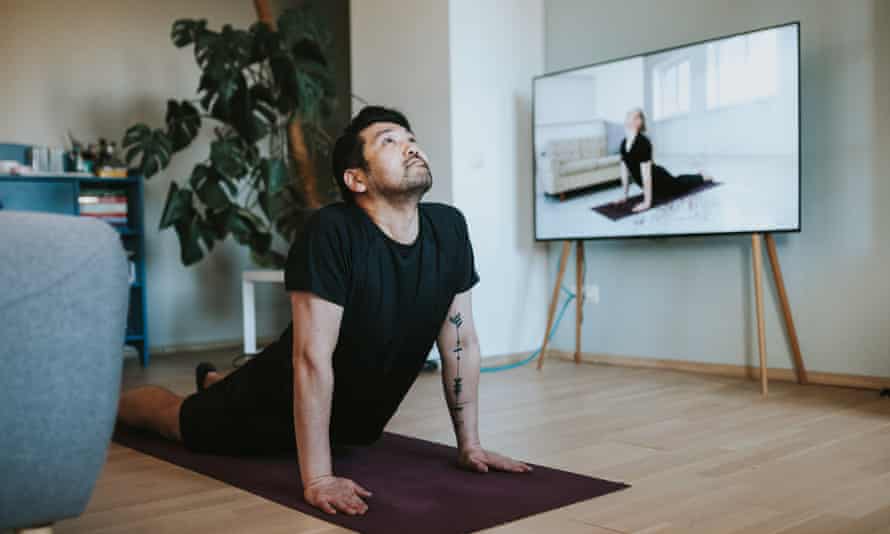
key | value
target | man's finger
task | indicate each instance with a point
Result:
(326, 506)
(480, 466)
(362, 491)
(358, 503)
(345, 506)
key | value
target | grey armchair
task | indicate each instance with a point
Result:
(63, 312)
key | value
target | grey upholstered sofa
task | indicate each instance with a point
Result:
(63, 308)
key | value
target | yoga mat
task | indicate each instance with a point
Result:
(416, 486)
(625, 209)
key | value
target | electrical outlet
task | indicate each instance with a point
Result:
(592, 293)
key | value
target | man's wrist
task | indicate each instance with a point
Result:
(469, 446)
(310, 481)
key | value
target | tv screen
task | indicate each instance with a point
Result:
(698, 139)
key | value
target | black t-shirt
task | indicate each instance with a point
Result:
(640, 152)
(395, 298)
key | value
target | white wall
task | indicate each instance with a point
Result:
(496, 48)
(692, 298)
(96, 68)
(400, 59)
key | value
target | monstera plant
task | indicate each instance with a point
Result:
(264, 92)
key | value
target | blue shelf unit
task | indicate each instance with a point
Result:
(59, 194)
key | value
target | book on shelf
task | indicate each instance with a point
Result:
(110, 205)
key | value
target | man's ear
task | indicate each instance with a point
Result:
(355, 181)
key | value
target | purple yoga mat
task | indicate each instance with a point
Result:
(416, 486)
(625, 209)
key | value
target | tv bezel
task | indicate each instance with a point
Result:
(534, 187)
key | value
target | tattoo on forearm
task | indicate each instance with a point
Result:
(457, 321)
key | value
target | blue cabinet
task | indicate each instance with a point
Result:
(60, 194)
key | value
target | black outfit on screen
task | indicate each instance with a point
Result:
(663, 183)
(395, 298)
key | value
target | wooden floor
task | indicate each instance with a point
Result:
(704, 454)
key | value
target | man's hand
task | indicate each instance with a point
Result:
(477, 459)
(332, 493)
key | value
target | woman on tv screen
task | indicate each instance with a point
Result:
(636, 160)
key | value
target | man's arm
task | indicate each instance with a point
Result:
(459, 348)
(316, 324)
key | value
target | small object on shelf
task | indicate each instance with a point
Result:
(110, 166)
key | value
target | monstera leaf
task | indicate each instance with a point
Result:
(183, 123)
(151, 147)
(185, 31)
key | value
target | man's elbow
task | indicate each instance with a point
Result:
(470, 342)
(311, 364)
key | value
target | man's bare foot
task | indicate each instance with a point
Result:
(212, 378)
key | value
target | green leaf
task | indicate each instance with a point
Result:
(218, 222)
(274, 174)
(265, 42)
(178, 206)
(227, 157)
(308, 50)
(151, 148)
(285, 73)
(207, 233)
(189, 232)
(241, 225)
(184, 31)
(212, 195)
(260, 242)
(199, 174)
(183, 122)
(244, 117)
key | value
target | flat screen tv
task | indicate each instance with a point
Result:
(698, 139)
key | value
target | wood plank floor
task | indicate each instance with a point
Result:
(704, 454)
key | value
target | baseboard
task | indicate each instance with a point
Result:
(705, 368)
(730, 370)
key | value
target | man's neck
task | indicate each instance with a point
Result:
(398, 221)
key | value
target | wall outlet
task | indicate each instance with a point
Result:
(592, 293)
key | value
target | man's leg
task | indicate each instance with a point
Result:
(153, 408)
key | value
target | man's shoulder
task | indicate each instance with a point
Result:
(443, 213)
(335, 217)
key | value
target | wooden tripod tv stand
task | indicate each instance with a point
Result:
(757, 261)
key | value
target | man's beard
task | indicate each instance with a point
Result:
(413, 185)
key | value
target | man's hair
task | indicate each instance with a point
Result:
(349, 149)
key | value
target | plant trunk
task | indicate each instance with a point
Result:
(295, 138)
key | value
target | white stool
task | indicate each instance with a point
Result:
(248, 279)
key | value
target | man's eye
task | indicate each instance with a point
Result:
(387, 140)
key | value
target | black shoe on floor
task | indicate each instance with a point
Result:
(201, 373)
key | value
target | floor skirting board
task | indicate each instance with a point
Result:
(718, 369)
(731, 370)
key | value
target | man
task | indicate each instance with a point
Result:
(373, 281)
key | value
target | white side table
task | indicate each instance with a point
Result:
(248, 279)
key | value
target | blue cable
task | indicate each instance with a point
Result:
(530, 357)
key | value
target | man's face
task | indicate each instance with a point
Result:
(397, 168)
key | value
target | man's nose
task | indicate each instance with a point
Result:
(412, 150)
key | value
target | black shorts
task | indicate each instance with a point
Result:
(249, 412)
